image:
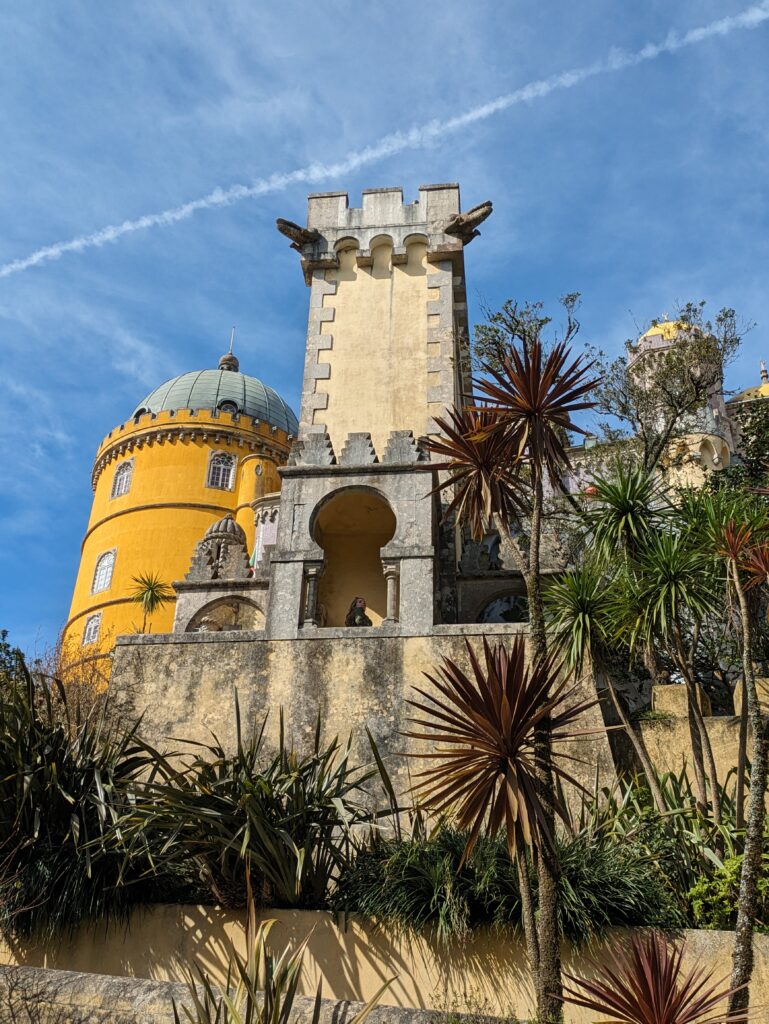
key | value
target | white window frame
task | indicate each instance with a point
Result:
(105, 585)
(212, 456)
(91, 629)
(119, 475)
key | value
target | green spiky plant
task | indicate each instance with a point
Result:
(625, 508)
(151, 593)
(291, 817)
(63, 784)
(671, 586)
(579, 605)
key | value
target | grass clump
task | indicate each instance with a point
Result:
(416, 883)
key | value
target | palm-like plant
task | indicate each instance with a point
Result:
(647, 984)
(150, 592)
(625, 509)
(578, 605)
(530, 398)
(486, 770)
(753, 563)
(535, 396)
(486, 490)
(670, 583)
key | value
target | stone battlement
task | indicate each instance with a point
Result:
(189, 425)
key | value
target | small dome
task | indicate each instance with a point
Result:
(225, 388)
(667, 329)
(226, 527)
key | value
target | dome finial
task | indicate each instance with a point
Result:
(230, 361)
(764, 373)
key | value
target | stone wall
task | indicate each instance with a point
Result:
(35, 995)
(356, 679)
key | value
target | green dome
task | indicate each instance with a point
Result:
(225, 389)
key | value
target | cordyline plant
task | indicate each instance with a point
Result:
(530, 397)
(579, 611)
(484, 768)
(486, 487)
(647, 984)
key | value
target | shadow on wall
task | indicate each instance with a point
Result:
(486, 973)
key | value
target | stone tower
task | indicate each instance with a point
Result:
(387, 352)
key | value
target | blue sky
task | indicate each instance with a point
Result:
(638, 187)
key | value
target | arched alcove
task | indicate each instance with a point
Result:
(504, 607)
(225, 614)
(352, 526)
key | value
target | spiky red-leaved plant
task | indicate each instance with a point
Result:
(483, 725)
(535, 396)
(487, 487)
(648, 984)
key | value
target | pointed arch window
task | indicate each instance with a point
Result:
(91, 631)
(121, 481)
(221, 471)
(102, 574)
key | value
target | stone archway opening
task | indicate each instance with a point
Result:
(352, 527)
(226, 614)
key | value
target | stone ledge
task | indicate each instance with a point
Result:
(69, 997)
(234, 636)
(389, 631)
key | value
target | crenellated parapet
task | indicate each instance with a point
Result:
(434, 220)
(191, 426)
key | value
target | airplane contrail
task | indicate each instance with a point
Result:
(312, 174)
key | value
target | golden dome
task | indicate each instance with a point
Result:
(759, 391)
(667, 329)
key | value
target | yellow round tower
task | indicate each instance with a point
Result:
(199, 446)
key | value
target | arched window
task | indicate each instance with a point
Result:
(221, 467)
(121, 481)
(91, 631)
(228, 406)
(102, 574)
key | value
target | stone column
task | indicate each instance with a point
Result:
(312, 573)
(391, 575)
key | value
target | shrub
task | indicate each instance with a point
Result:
(259, 988)
(420, 882)
(63, 783)
(714, 899)
(292, 817)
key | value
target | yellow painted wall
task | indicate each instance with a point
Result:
(352, 529)
(486, 974)
(379, 377)
(155, 526)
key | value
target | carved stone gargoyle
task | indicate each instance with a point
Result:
(299, 236)
(464, 225)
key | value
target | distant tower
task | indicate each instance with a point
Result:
(709, 441)
(387, 352)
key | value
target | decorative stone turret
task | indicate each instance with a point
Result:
(221, 554)
(219, 593)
